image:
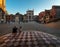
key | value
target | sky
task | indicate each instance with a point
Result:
(21, 6)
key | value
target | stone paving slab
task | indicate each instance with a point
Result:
(29, 39)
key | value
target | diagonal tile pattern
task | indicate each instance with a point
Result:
(29, 39)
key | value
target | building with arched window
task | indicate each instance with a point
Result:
(2, 10)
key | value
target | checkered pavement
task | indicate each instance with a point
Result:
(29, 39)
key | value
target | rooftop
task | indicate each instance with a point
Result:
(56, 7)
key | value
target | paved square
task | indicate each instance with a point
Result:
(30, 39)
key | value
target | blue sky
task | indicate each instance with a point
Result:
(13, 6)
